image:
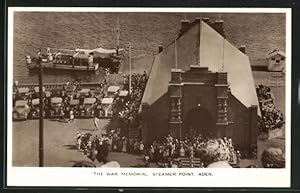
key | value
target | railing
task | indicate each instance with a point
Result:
(49, 86)
(113, 79)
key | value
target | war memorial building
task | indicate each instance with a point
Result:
(201, 83)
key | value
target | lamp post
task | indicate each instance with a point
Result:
(41, 118)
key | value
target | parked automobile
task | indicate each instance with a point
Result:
(70, 91)
(83, 93)
(107, 106)
(99, 111)
(98, 92)
(123, 93)
(22, 93)
(21, 110)
(37, 92)
(35, 109)
(56, 92)
(75, 106)
(56, 107)
(112, 91)
(88, 107)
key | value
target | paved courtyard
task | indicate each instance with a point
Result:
(59, 143)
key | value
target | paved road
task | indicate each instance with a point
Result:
(59, 141)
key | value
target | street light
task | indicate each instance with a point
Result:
(41, 106)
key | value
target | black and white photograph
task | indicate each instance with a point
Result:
(172, 90)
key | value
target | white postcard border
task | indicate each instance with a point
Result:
(90, 177)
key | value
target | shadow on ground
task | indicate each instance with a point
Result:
(71, 147)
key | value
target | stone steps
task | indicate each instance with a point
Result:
(186, 162)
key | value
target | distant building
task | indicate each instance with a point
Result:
(276, 60)
(207, 88)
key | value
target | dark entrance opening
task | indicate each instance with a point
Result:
(199, 121)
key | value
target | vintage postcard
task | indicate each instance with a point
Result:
(149, 97)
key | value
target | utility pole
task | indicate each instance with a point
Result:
(129, 67)
(118, 36)
(175, 45)
(41, 118)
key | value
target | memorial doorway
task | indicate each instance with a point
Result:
(199, 121)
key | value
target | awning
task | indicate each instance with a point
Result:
(35, 101)
(107, 101)
(56, 100)
(113, 89)
(89, 101)
(83, 51)
(23, 90)
(81, 56)
(21, 103)
(123, 93)
(106, 51)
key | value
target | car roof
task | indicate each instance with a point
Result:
(107, 100)
(89, 100)
(84, 90)
(47, 93)
(74, 102)
(21, 102)
(37, 89)
(56, 100)
(35, 101)
(123, 93)
(23, 90)
(113, 88)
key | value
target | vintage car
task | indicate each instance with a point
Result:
(23, 93)
(37, 92)
(21, 110)
(56, 92)
(107, 107)
(56, 107)
(83, 93)
(70, 90)
(88, 107)
(99, 111)
(112, 91)
(75, 106)
(35, 109)
(98, 92)
(123, 93)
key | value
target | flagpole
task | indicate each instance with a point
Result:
(118, 35)
(41, 118)
(175, 45)
(129, 67)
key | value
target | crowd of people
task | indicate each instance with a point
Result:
(96, 147)
(264, 93)
(271, 118)
(164, 153)
(127, 107)
(207, 149)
